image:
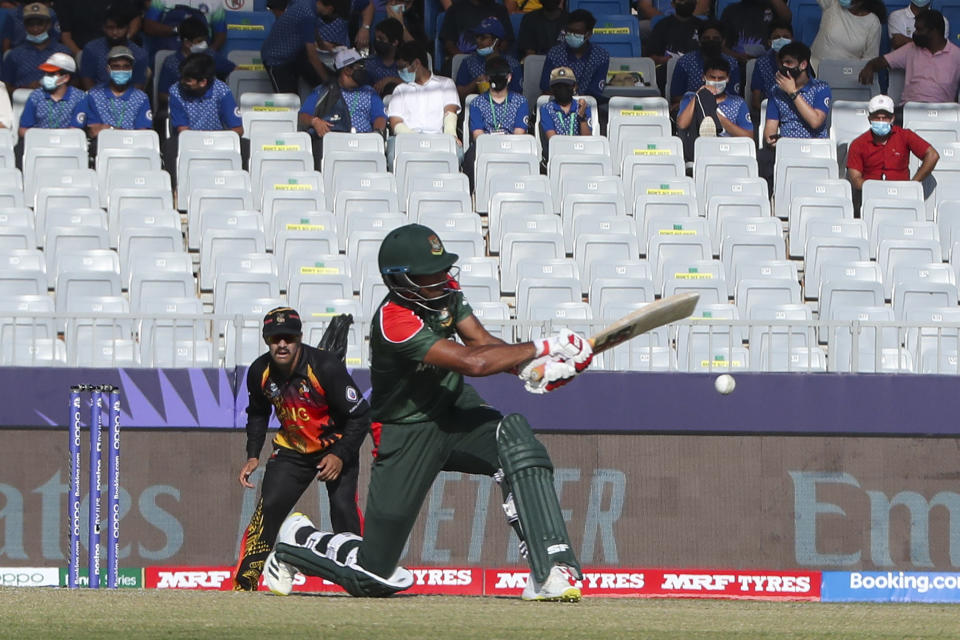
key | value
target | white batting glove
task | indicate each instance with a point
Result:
(567, 345)
(547, 373)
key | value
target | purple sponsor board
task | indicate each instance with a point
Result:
(597, 402)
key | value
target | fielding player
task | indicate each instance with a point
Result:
(434, 422)
(323, 421)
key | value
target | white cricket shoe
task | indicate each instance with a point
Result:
(560, 586)
(289, 527)
(278, 576)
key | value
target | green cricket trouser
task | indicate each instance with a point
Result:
(408, 460)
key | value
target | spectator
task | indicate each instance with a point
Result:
(163, 18)
(747, 25)
(290, 50)
(540, 29)
(15, 29)
(361, 22)
(348, 105)
(523, 6)
(410, 18)
(498, 111)
(883, 152)
(560, 116)
(56, 105)
(200, 102)
(932, 64)
(277, 7)
(117, 104)
(463, 16)
(425, 103)
(333, 29)
(688, 74)
(763, 81)
(93, 64)
(587, 62)
(471, 77)
(674, 35)
(82, 20)
(21, 65)
(382, 67)
(849, 30)
(193, 39)
(711, 110)
(901, 23)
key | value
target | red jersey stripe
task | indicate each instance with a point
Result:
(398, 324)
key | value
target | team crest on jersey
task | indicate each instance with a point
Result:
(272, 391)
(445, 318)
(436, 248)
(352, 395)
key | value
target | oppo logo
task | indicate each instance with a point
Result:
(28, 577)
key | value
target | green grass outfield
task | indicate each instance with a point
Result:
(59, 613)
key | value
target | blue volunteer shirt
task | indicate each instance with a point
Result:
(492, 117)
(688, 74)
(43, 112)
(130, 110)
(170, 71)
(590, 70)
(173, 12)
(764, 76)
(552, 118)
(733, 107)
(15, 31)
(781, 108)
(292, 31)
(93, 62)
(20, 64)
(474, 66)
(215, 110)
(336, 31)
(364, 104)
(378, 71)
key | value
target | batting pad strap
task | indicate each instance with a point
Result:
(529, 471)
(349, 575)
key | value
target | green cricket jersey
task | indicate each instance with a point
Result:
(404, 388)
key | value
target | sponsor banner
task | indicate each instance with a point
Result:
(126, 578)
(457, 581)
(674, 583)
(29, 577)
(890, 586)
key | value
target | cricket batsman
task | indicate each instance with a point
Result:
(432, 421)
(323, 421)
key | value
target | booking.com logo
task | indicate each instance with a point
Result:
(921, 583)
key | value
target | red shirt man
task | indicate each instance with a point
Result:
(883, 152)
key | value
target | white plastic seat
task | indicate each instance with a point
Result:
(843, 77)
(534, 293)
(704, 277)
(923, 287)
(658, 169)
(634, 144)
(805, 209)
(893, 254)
(147, 241)
(125, 159)
(888, 210)
(837, 293)
(63, 240)
(424, 202)
(722, 160)
(336, 163)
(45, 352)
(123, 200)
(522, 184)
(510, 206)
(604, 246)
(751, 239)
(467, 244)
(317, 285)
(765, 292)
(825, 249)
(64, 198)
(301, 221)
(310, 241)
(676, 238)
(525, 246)
(243, 284)
(614, 284)
(217, 240)
(363, 247)
(801, 159)
(16, 282)
(495, 317)
(206, 178)
(574, 205)
(456, 222)
(269, 122)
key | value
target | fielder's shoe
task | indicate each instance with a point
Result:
(560, 586)
(278, 576)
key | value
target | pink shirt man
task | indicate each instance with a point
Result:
(930, 77)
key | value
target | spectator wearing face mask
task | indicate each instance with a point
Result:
(465, 15)
(675, 34)
(117, 103)
(901, 23)
(883, 152)
(849, 30)
(15, 29)
(21, 65)
(764, 78)
(93, 63)
(382, 66)
(499, 111)
(540, 29)
(932, 64)
(410, 18)
(589, 63)
(193, 39)
(200, 102)
(162, 19)
(711, 111)
(471, 77)
(55, 105)
(349, 105)
(561, 115)
(747, 25)
(688, 74)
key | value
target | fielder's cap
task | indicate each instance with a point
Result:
(120, 52)
(880, 103)
(346, 57)
(491, 26)
(415, 250)
(282, 321)
(59, 62)
(36, 10)
(562, 75)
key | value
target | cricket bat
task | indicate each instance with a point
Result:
(651, 316)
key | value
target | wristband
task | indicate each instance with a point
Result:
(793, 96)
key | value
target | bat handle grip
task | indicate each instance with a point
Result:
(537, 374)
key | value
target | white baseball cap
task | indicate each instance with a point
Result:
(59, 62)
(346, 57)
(880, 103)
